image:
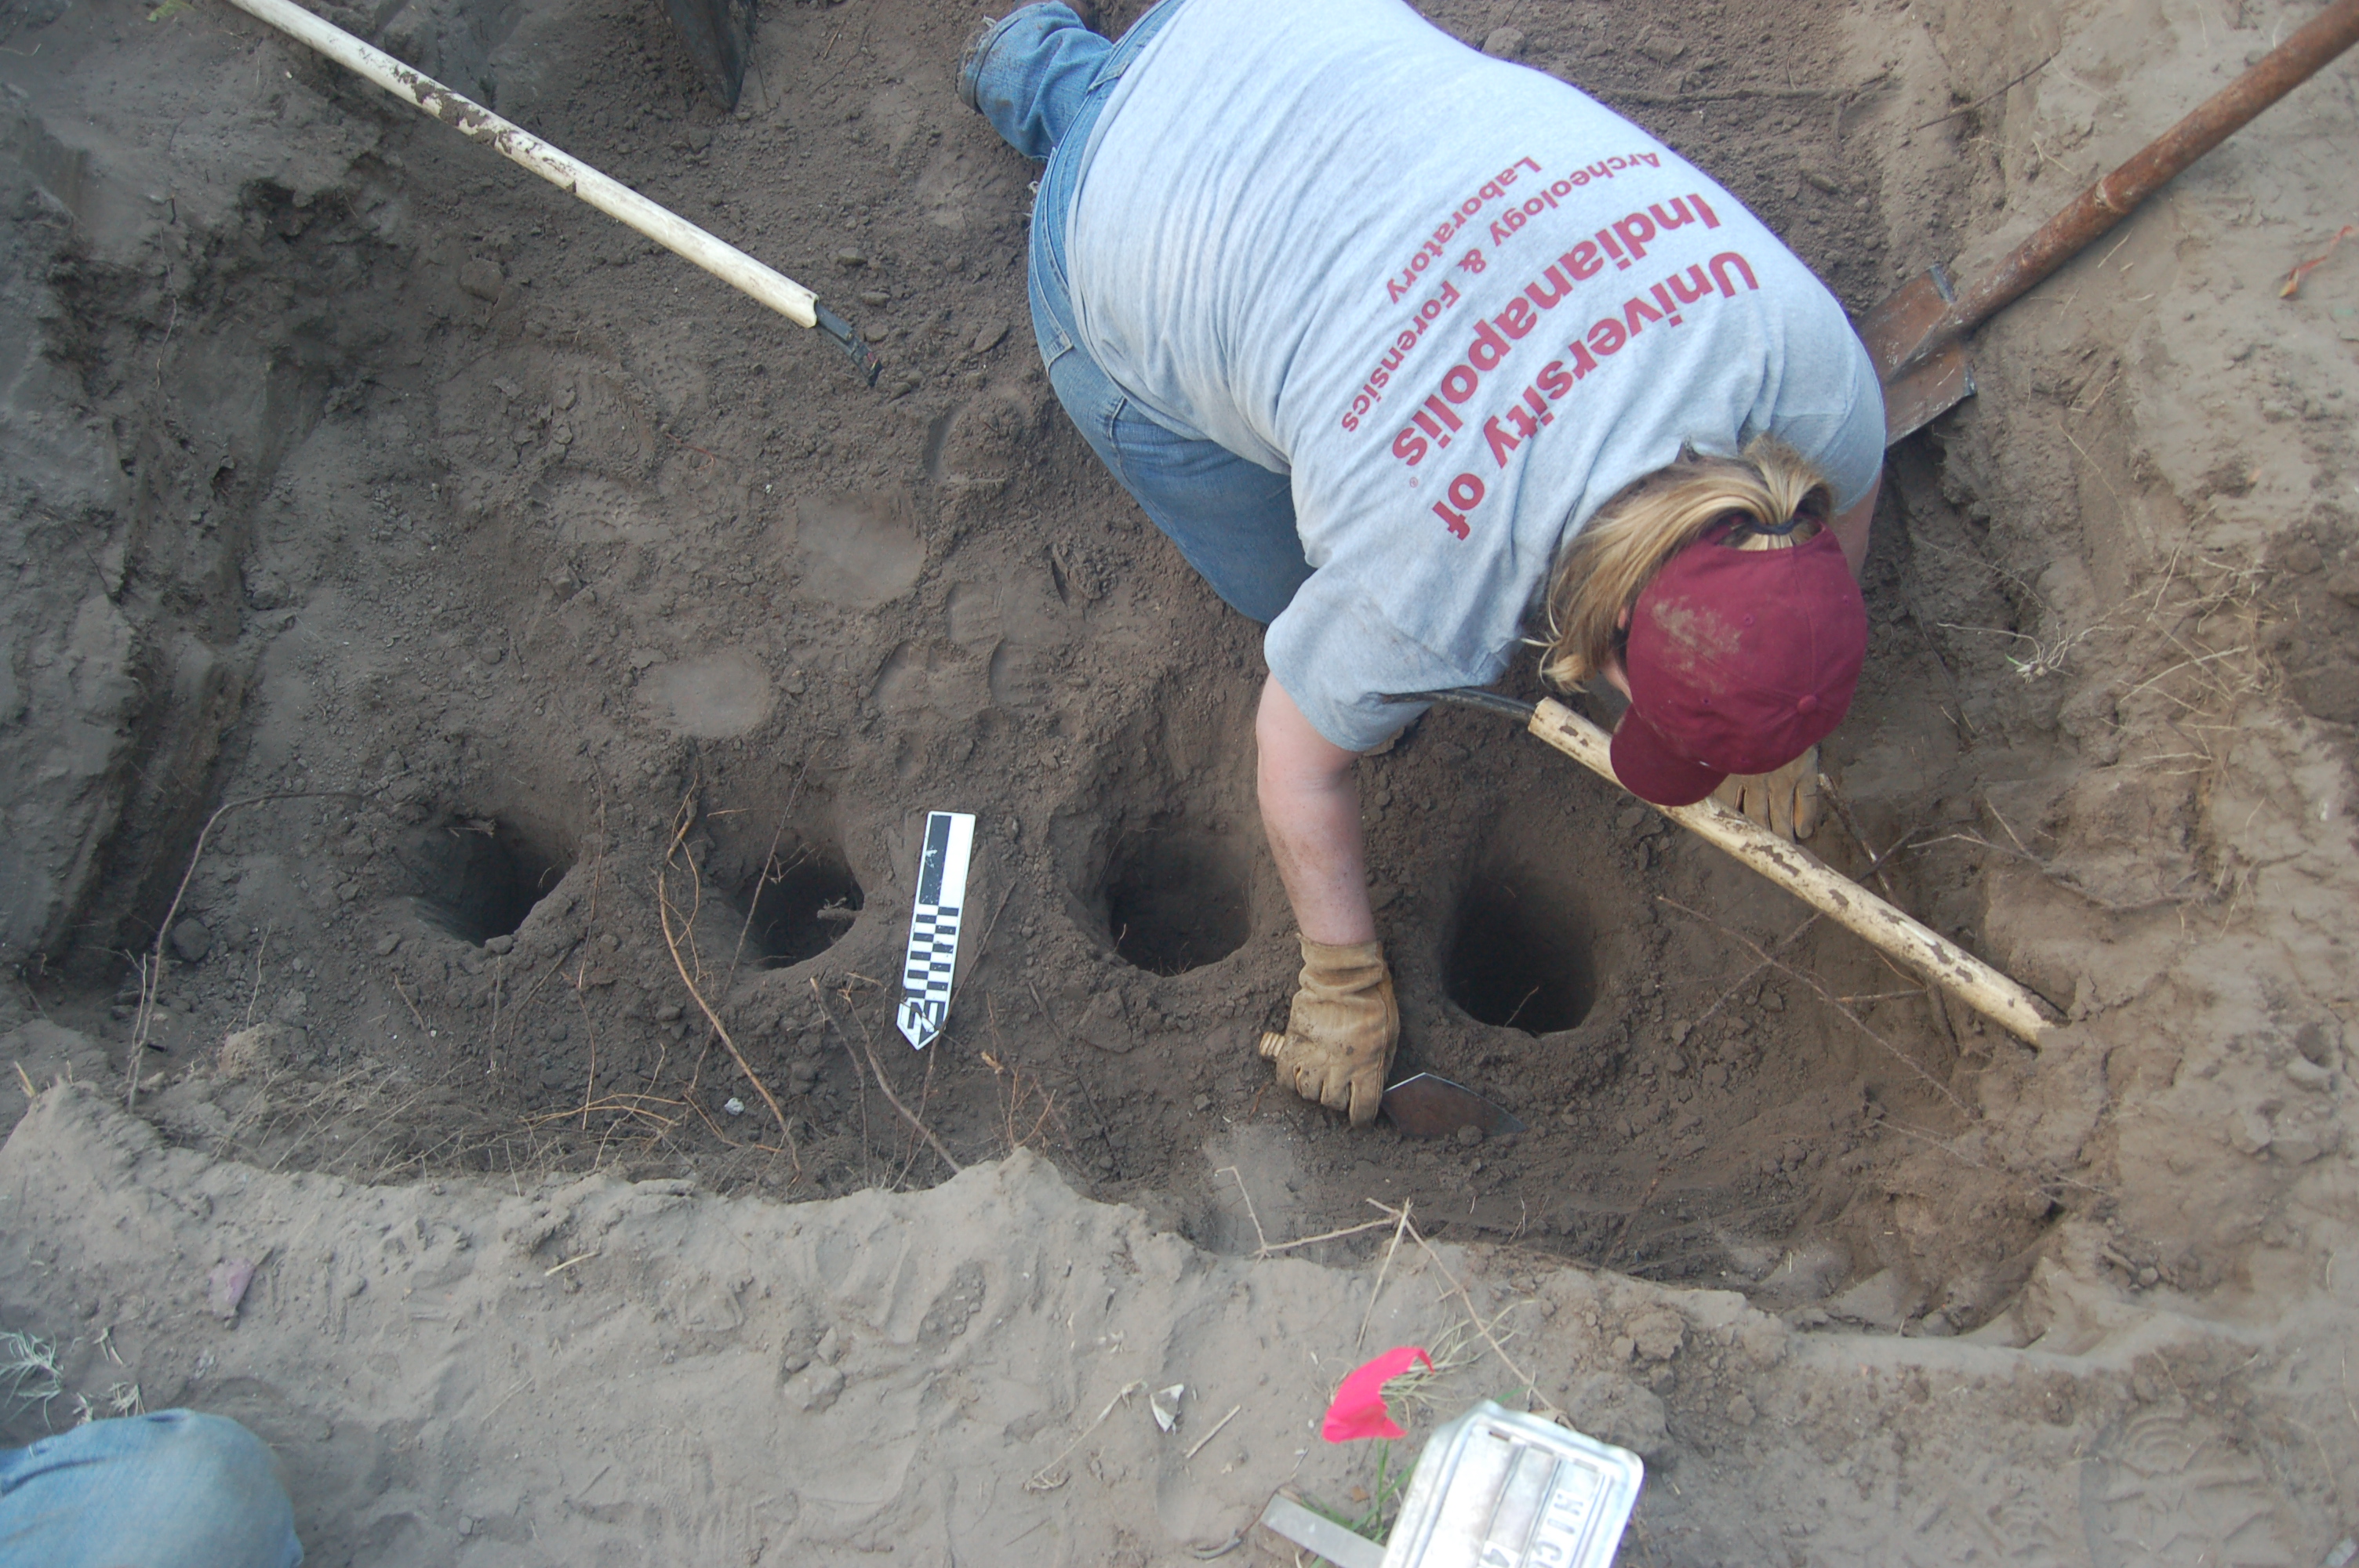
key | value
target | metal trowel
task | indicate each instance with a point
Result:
(1424, 1105)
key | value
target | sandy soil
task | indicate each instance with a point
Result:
(492, 555)
(583, 1370)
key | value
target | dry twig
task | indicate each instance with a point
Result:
(683, 821)
(1531, 1386)
(1995, 92)
(589, 1029)
(1876, 869)
(1260, 1236)
(1264, 1246)
(893, 1100)
(1197, 1446)
(1040, 1481)
(399, 990)
(859, 1075)
(1382, 1270)
(1272, 1248)
(1830, 1000)
(925, 1092)
(1011, 1099)
(879, 1067)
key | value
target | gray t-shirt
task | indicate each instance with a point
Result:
(1459, 302)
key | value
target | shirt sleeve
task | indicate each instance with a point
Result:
(1339, 657)
(1831, 411)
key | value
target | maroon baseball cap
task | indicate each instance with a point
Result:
(1739, 662)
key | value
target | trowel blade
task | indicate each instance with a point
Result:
(720, 36)
(1428, 1107)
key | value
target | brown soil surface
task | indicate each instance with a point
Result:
(483, 556)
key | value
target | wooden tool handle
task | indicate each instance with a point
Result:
(470, 119)
(2002, 1001)
(2306, 51)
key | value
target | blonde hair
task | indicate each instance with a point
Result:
(1601, 574)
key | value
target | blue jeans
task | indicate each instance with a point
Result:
(1042, 80)
(174, 1489)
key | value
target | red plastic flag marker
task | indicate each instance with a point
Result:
(1358, 1409)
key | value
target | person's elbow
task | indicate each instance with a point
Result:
(1293, 757)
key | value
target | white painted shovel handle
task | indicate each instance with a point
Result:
(2003, 1002)
(666, 228)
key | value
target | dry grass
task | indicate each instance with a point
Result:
(1456, 1348)
(28, 1373)
(2196, 621)
(367, 1124)
(119, 1399)
(1026, 1108)
(2033, 657)
(1764, 958)
(2182, 657)
(917, 1122)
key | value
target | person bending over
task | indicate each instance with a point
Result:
(1408, 349)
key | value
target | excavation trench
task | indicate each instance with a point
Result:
(544, 554)
(593, 646)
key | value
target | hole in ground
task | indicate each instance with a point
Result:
(479, 878)
(802, 902)
(1177, 901)
(1524, 952)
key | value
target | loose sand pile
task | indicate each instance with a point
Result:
(505, 565)
(584, 1370)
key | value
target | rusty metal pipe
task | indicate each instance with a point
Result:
(2096, 209)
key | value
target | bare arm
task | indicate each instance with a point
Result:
(1851, 527)
(1311, 809)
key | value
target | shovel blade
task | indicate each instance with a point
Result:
(1428, 1107)
(1926, 391)
(1915, 396)
(1907, 315)
(720, 36)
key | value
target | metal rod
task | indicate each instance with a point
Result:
(567, 173)
(2314, 45)
(1469, 697)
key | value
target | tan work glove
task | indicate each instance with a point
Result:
(1340, 1036)
(1785, 802)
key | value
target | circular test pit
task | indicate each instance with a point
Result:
(1177, 901)
(477, 878)
(1522, 952)
(1521, 957)
(801, 904)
